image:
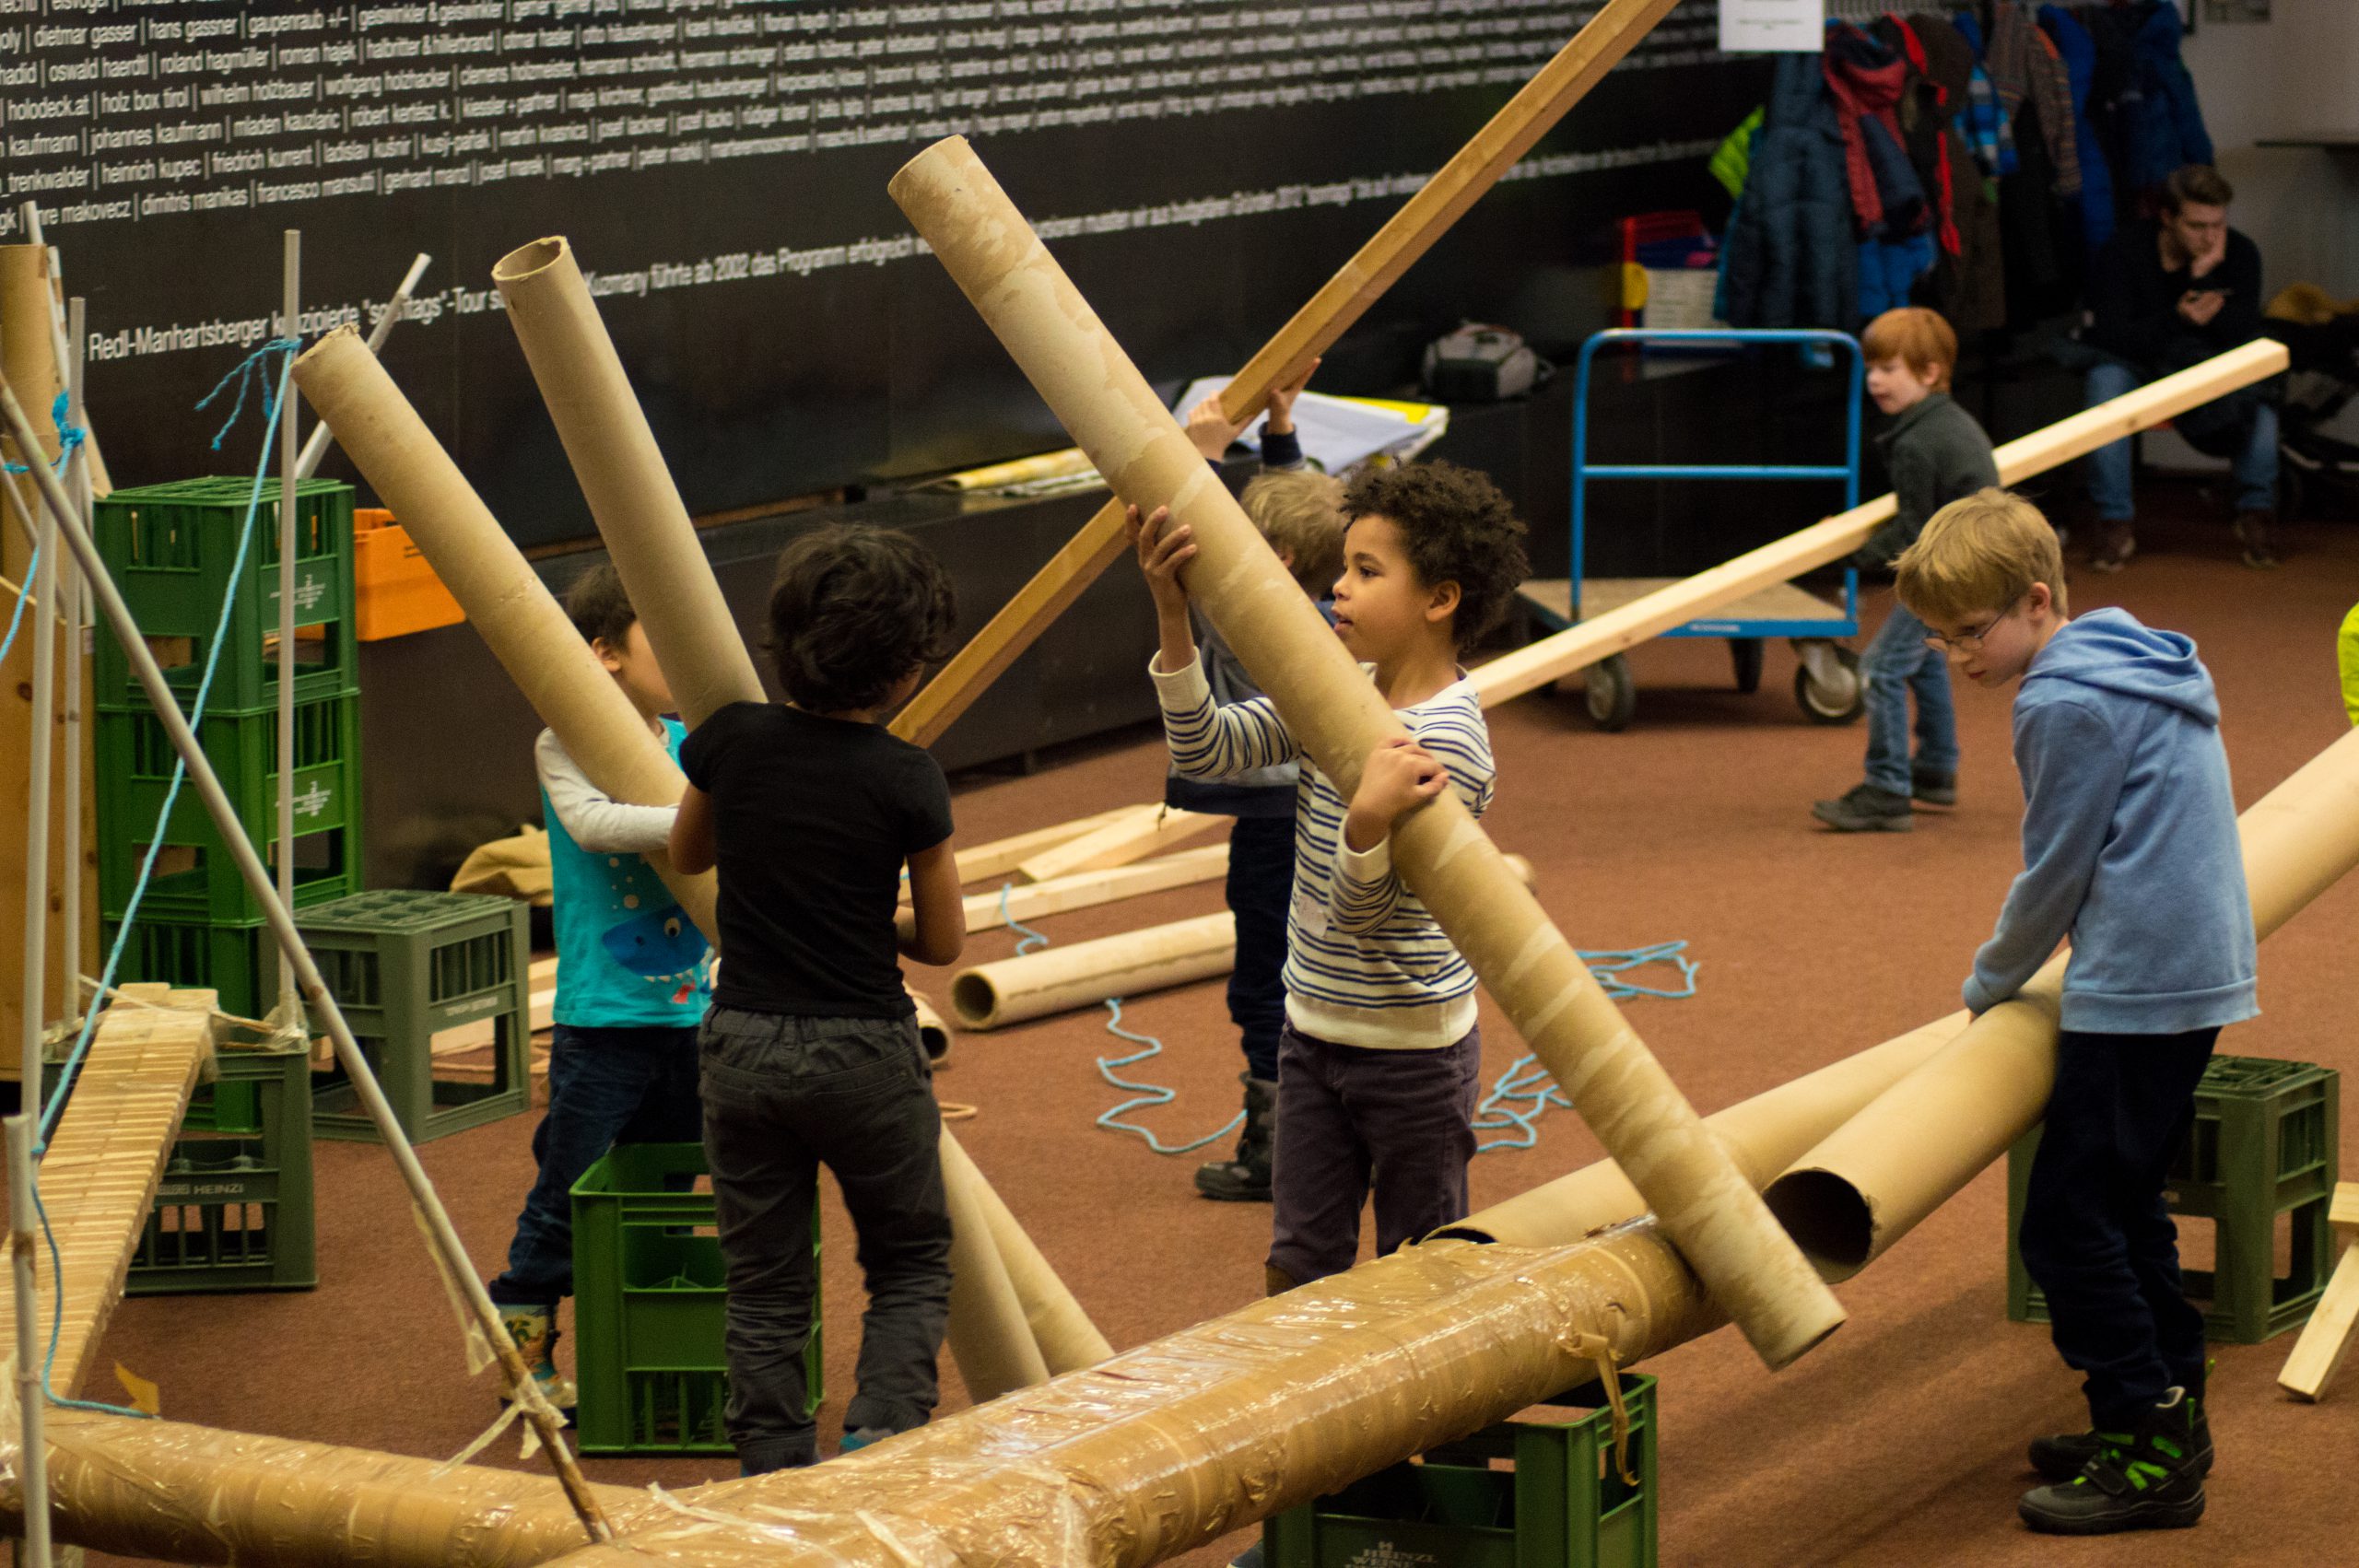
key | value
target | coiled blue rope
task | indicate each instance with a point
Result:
(249, 370)
(1524, 1091)
(69, 436)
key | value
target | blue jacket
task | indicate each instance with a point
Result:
(2163, 124)
(1793, 258)
(2130, 839)
(2080, 54)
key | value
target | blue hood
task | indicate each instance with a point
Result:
(2108, 650)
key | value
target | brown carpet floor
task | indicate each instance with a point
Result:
(1901, 1440)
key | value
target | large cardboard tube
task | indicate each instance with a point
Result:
(623, 477)
(1872, 1178)
(506, 601)
(992, 996)
(1707, 1206)
(994, 1347)
(527, 628)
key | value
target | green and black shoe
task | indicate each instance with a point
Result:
(2066, 1454)
(2146, 1479)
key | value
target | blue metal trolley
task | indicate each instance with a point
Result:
(1827, 682)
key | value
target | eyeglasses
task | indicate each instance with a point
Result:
(1971, 642)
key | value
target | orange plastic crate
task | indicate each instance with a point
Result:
(397, 591)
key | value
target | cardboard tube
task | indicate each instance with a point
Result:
(506, 601)
(1871, 1179)
(623, 477)
(932, 1032)
(991, 996)
(30, 362)
(1708, 1208)
(996, 1351)
(1763, 1135)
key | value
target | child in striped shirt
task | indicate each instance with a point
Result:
(1379, 1063)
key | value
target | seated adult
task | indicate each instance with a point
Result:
(2162, 294)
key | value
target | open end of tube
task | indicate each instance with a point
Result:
(973, 1000)
(1462, 1231)
(326, 339)
(1827, 1217)
(526, 260)
(929, 155)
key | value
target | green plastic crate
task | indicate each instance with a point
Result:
(404, 967)
(2265, 1143)
(1563, 1504)
(236, 959)
(649, 1303)
(234, 1210)
(135, 760)
(200, 881)
(170, 547)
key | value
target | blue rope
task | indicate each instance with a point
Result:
(25, 591)
(1032, 941)
(69, 436)
(1524, 1091)
(274, 401)
(1146, 1095)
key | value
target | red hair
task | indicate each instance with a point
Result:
(1918, 338)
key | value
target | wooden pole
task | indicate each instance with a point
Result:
(1919, 1141)
(1531, 114)
(1338, 716)
(1553, 657)
(33, 1404)
(292, 328)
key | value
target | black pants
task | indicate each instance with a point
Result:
(782, 1095)
(2097, 1238)
(1261, 885)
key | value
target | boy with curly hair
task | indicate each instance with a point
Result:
(810, 809)
(1379, 1060)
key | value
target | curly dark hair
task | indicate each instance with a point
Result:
(598, 606)
(1457, 528)
(852, 611)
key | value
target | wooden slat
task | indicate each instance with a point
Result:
(98, 1179)
(987, 911)
(1611, 33)
(1553, 657)
(1151, 830)
(2333, 1324)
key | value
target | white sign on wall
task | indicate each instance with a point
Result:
(1783, 25)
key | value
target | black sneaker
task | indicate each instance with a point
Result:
(1866, 809)
(1934, 788)
(2064, 1455)
(2146, 1479)
(1246, 1177)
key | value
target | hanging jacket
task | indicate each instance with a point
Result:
(1987, 120)
(1970, 289)
(1792, 257)
(1925, 116)
(1732, 159)
(2079, 51)
(1864, 78)
(2113, 29)
(2023, 64)
(2165, 126)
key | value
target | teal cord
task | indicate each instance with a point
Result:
(1146, 1094)
(247, 370)
(69, 436)
(1032, 941)
(1524, 1091)
(16, 615)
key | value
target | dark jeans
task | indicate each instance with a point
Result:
(607, 1086)
(2096, 1236)
(1898, 666)
(1350, 1117)
(782, 1096)
(1261, 885)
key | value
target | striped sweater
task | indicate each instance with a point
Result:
(1366, 964)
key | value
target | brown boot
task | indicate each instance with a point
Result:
(2254, 529)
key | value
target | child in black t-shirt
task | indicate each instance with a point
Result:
(810, 1054)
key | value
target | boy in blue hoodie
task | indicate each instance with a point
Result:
(2130, 850)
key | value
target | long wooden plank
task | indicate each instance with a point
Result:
(98, 1179)
(988, 911)
(1553, 657)
(1531, 114)
(1152, 830)
(2334, 1322)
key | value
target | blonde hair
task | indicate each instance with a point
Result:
(1300, 512)
(1918, 338)
(1979, 555)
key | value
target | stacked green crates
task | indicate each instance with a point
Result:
(170, 549)
(234, 1208)
(647, 1306)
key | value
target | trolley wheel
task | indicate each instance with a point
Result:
(1744, 652)
(1838, 701)
(1612, 696)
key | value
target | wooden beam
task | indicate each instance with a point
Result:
(1553, 657)
(1148, 830)
(988, 911)
(1531, 114)
(2334, 1322)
